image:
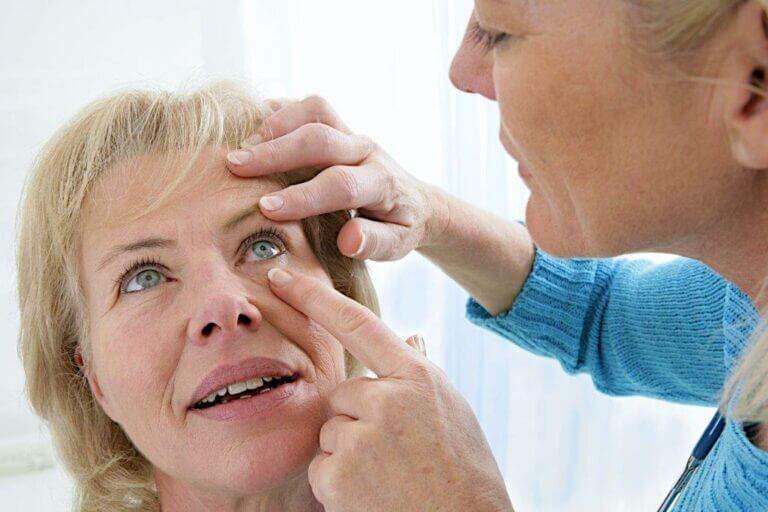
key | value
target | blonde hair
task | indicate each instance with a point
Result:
(677, 29)
(109, 473)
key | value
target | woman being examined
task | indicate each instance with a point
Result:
(167, 371)
(639, 125)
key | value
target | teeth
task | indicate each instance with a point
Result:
(254, 383)
(235, 389)
(240, 387)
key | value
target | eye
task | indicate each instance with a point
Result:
(143, 280)
(485, 39)
(263, 246)
(263, 250)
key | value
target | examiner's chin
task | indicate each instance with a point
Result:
(550, 236)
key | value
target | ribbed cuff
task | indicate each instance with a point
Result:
(549, 315)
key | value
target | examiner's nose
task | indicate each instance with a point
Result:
(222, 315)
(472, 68)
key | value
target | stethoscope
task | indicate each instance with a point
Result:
(700, 452)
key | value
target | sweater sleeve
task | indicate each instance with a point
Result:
(637, 327)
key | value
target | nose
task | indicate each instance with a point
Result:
(472, 67)
(222, 316)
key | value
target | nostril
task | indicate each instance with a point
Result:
(208, 329)
(243, 320)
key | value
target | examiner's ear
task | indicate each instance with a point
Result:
(747, 110)
(93, 381)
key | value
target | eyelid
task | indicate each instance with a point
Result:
(273, 234)
(135, 268)
(485, 38)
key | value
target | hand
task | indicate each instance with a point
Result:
(403, 441)
(397, 212)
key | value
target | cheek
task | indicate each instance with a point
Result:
(136, 364)
(561, 114)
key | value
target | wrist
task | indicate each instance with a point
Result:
(437, 223)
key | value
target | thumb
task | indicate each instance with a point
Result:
(365, 239)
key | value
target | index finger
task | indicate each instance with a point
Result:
(361, 332)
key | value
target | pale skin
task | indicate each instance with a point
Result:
(179, 318)
(619, 158)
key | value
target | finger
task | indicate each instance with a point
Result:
(293, 115)
(312, 145)
(361, 332)
(274, 104)
(332, 431)
(337, 188)
(354, 398)
(366, 239)
(316, 474)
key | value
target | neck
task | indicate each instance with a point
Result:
(293, 495)
(737, 249)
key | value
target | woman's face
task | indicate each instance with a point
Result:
(179, 312)
(617, 157)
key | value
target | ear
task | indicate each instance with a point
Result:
(86, 368)
(747, 112)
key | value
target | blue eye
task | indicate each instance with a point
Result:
(263, 250)
(144, 280)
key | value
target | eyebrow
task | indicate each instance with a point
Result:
(165, 243)
(241, 216)
(147, 243)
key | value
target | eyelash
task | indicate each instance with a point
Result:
(273, 234)
(486, 40)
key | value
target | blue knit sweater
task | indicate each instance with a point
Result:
(670, 331)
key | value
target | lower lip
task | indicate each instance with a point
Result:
(524, 172)
(260, 405)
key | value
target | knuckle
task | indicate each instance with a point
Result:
(317, 104)
(271, 153)
(356, 442)
(320, 138)
(303, 194)
(352, 317)
(348, 184)
(368, 143)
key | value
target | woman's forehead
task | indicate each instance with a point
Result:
(157, 186)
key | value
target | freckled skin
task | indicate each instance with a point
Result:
(147, 369)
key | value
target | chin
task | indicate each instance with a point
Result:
(258, 464)
(556, 238)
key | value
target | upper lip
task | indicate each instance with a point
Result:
(228, 374)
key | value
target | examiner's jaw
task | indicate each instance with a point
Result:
(250, 388)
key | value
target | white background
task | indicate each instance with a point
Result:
(384, 65)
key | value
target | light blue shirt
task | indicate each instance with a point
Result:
(670, 331)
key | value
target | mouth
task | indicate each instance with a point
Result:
(244, 390)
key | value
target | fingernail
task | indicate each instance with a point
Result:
(420, 345)
(417, 341)
(271, 203)
(239, 157)
(360, 248)
(279, 277)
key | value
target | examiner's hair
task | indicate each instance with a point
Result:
(108, 471)
(677, 30)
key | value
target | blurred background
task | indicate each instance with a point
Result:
(384, 66)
